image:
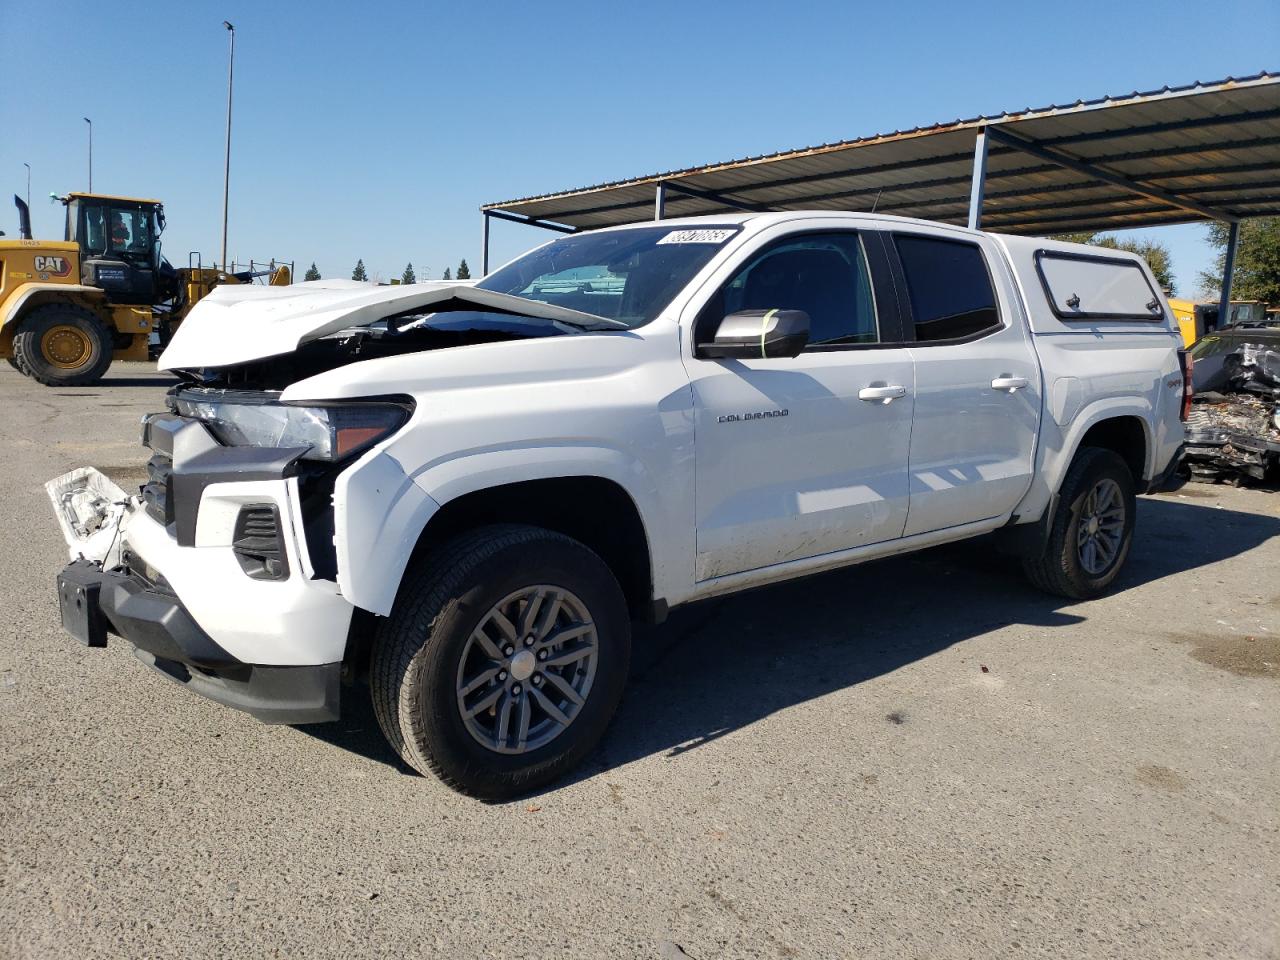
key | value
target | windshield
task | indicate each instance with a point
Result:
(626, 275)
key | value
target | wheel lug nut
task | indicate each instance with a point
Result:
(509, 650)
(516, 690)
(528, 641)
(537, 681)
(542, 654)
(502, 674)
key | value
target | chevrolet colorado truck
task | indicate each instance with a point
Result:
(464, 495)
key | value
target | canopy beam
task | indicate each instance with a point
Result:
(1063, 159)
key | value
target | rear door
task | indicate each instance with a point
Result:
(798, 457)
(977, 404)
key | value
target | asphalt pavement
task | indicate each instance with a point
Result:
(921, 757)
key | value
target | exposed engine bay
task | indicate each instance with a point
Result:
(413, 332)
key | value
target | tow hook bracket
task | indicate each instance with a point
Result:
(79, 588)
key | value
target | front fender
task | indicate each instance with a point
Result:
(380, 511)
(31, 293)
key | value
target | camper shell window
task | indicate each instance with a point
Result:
(1081, 286)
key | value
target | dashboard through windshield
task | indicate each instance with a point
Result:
(627, 275)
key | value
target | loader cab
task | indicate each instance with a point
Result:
(119, 239)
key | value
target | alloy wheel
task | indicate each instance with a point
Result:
(527, 669)
(1100, 531)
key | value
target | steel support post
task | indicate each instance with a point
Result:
(979, 185)
(1228, 268)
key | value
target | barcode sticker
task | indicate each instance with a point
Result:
(697, 236)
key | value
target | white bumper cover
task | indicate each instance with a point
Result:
(294, 622)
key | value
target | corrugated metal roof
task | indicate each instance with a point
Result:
(1214, 144)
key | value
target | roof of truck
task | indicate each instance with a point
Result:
(1216, 145)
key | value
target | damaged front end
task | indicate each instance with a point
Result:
(1233, 431)
(90, 510)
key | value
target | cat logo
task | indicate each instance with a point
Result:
(52, 267)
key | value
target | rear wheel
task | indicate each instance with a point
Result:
(1092, 528)
(64, 345)
(503, 660)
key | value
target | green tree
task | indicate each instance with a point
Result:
(407, 276)
(358, 273)
(312, 273)
(447, 275)
(1257, 271)
(1156, 254)
(464, 272)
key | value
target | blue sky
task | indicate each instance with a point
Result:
(376, 130)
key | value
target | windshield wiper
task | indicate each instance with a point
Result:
(597, 323)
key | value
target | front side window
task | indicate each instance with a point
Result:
(628, 275)
(823, 274)
(949, 287)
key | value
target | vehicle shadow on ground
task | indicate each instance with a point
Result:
(721, 665)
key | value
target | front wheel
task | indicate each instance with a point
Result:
(503, 660)
(1092, 528)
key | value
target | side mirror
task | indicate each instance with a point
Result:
(757, 334)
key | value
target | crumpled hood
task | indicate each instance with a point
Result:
(241, 323)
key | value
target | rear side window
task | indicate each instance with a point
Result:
(949, 287)
(1085, 287)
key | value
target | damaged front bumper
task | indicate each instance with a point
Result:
(270, 648)
(94, 602)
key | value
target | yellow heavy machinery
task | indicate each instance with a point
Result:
(68, 308)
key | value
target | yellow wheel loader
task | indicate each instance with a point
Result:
(68, 308)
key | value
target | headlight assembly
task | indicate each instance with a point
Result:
(328, 431)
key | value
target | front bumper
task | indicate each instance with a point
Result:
(94, 602)
(272, 647)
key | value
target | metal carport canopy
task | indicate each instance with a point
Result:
(1206, 151)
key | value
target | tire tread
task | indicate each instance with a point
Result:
(1053, 570)
(428, 588)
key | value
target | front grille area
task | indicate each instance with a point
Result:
(157, 436)
(186, 460)
(256, 542)
(155, 492)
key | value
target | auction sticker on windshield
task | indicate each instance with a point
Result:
(697, 236)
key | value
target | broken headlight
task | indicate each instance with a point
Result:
(327, 431)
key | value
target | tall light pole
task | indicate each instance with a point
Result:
(90, 123)
(226, 169)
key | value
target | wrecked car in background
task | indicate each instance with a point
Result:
(1233, 431)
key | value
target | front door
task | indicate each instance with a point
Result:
(803, 456)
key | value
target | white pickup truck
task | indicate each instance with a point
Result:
(465, 494)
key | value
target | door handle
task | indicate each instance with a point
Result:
(1010, 384)
(882, 394)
